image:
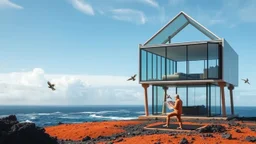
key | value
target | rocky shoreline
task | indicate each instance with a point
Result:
(13, 132)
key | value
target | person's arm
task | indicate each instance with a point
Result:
(176, 104)
(170, 103)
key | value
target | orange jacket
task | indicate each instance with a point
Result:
(178, 106)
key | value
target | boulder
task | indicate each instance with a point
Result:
(227, 136)
(250, 138)
(13, 132)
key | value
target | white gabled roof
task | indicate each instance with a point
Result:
(174, 26)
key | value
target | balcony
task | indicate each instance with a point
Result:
(185, 61)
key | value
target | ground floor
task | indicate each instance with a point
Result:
(198, 99)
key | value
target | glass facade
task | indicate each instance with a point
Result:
(172, 28)
(198, 100)
(213, 61)
(175, 26)
(215, 100)
(189, 62)
(157, 99)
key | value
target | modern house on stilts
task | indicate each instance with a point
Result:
(186, 67)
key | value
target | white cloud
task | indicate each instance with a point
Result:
(152, 3)
(9, 4)
(30, 88)
(129, 15)
(83, 7)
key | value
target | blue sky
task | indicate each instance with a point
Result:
(99, 37)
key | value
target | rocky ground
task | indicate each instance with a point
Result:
(239, 130)
(215, 131)
(13, 132)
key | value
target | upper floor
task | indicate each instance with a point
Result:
(162, 60)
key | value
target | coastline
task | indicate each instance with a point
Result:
(211, 131)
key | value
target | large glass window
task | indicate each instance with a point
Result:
(196, 101)
(153, 64)
(143, 65)
(190, 62)
(215, 100)
(197, 56)
(150, 66)
(178, 57)
(159, 68)
(172, 92)
(158, 99)
(200, 100)
(161, 37)
(182, 92)
(154, 67)
(213, 60)
(163, 72)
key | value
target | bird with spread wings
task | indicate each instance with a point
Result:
(168, 96)
(132, 78)
(246, 80)
(51, 86)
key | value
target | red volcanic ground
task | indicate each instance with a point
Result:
(77, 132)
(92, 129)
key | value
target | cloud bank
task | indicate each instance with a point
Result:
(152, 3)
(83, 7)
(129, 15)
(30, 88)
(9, 4)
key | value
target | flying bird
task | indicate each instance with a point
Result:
(246, 81)
(168, 96)
(51, 86)
(132, 78)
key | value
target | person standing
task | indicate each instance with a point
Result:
(177, 112)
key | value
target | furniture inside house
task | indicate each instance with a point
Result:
(212, 73)
(194, 110)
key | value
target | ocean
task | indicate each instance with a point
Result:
(51, 115)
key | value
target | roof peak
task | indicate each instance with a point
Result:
(169, 30)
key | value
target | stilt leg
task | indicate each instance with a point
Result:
(222, 85)
(231, 87)
(145, 86)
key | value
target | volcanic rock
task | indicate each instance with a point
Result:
(86, 138)
(238, 131)
(184, 141)
(13, 132)
(227, 136)
(119, 140)
(208, 135)
(250, 138)
(212, 128)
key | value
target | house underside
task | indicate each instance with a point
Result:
(198, 100)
